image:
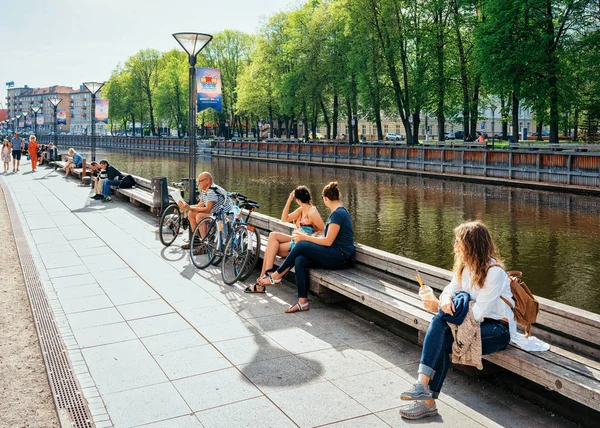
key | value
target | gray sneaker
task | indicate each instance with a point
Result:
(418, 410)
(417, 392)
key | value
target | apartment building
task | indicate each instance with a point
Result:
(74, 109)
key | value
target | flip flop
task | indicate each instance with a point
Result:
(298, 307)
(253, 289)
(270, 279)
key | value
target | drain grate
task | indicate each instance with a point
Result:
(65, 390)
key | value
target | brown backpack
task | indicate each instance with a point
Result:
(526, 307)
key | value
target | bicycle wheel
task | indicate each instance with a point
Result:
(235, 255)
(169, 225)
(254, 253)
(204, 246)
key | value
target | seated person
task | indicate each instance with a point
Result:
(42, 154)
(98, 176)
(307, 219)
(74, 160)
(52, 154)
(113, 178)
(210, 202)
(333, 250)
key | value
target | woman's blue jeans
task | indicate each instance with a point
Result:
(437, 347)
(307, 255)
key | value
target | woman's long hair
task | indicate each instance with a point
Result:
(474, 247)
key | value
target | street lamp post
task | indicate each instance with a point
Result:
(55, 102)
(18, 118)
(35, 110)
(192, 44)
(25, 113)
(493, 108)
(93, 88)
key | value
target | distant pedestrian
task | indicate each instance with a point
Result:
(6, 157)
(33, 152)
(17, 151)
(481, 138)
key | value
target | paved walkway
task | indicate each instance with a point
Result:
(156, 342)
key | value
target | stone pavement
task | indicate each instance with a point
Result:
(156, 342)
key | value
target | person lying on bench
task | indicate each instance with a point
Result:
(113, 178)
(74, 160)
(333, 250)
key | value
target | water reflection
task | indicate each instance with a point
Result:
(552, 237)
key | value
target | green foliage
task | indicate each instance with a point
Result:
(327, 61)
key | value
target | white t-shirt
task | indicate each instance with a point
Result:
(488, 303)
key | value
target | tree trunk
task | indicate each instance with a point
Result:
(304, 121)
(378, 125)
(349, 113)
(335, 115)
(464, 81)
(515, 117)
(539, 131)
(576, 125)
(440, 80)
(475, 107)
(504, 115)
(326, 119)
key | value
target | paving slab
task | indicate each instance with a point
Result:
(156, 342)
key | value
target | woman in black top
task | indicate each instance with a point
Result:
(333, 250)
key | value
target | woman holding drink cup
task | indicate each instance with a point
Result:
(478, 271)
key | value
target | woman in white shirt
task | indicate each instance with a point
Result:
(474, 272)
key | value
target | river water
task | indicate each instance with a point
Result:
(554, 238)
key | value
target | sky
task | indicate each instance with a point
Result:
(67, 42)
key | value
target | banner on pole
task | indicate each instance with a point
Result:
(209, 89)
(40, 119)
(102, 111)
(61, 117)
(28, 122)
(21, 123)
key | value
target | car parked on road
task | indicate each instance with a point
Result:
(392, 136)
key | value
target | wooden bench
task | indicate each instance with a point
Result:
(77, 172)
(386, 282)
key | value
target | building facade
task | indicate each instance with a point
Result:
(74, 110)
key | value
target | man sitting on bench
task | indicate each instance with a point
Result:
(98, 178)
(113, 178)
(52, 153)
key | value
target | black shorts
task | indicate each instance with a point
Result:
(17, 154)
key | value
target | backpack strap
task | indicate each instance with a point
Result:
(507, 274)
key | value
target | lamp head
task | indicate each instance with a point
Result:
(192, 43)
(54, 101)
(93, 87)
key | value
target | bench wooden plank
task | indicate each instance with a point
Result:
(573, 376)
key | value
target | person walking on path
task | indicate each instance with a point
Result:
(17, 151)
(333, 250)
(6, 157)
(33, 152)
(479, 272)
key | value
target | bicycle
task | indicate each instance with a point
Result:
(174, 218)
(226, 237)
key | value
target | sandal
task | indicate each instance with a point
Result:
(268, 277)
(254, 289)
(298, 307)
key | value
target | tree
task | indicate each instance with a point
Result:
(172, 90)
(143, 68)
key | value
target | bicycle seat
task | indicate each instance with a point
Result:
(250, 205)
